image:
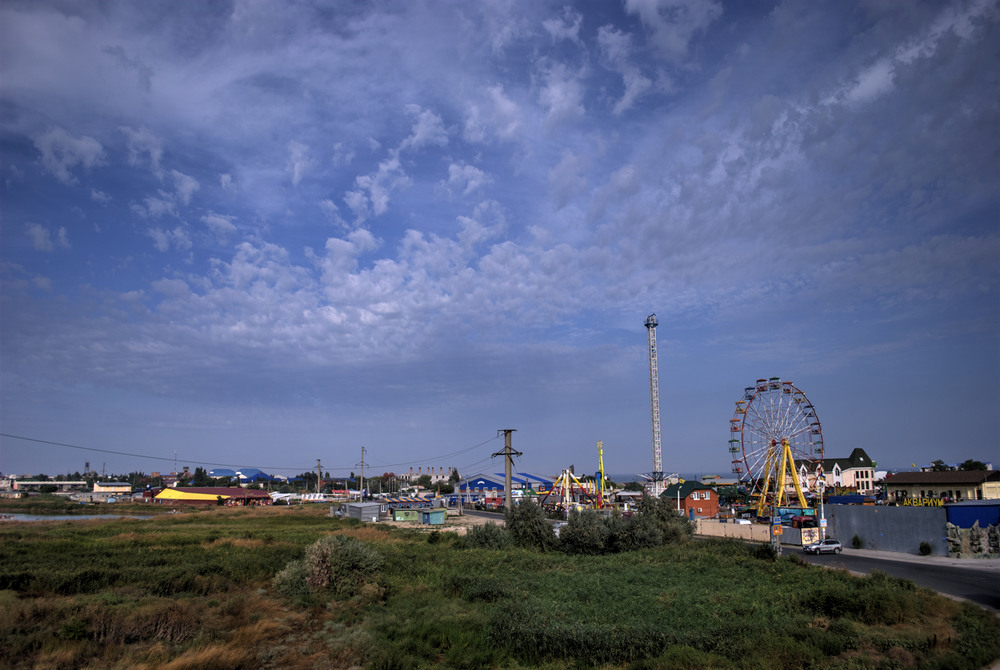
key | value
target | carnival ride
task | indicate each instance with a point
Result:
(773, 428)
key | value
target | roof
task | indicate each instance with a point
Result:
(947, 477)
(684, 489)
(858, 459)
(209, 493)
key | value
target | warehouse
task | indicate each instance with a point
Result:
(210, 496)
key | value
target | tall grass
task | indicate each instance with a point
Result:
(200, 590)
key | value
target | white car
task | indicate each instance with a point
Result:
(827, 546)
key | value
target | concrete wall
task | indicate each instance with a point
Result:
(756, 531)
(885, 528)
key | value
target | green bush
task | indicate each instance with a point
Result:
(585, 533)
(925, 549)
(487, 536)
(338, 565)
(529, 528)
(673, 527)
(856, 542)
(291, 580)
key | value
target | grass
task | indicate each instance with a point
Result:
(197, 590)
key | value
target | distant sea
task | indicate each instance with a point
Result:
(623, 478)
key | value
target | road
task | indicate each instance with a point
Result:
(980, 584)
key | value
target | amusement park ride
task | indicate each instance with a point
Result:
(774, 426)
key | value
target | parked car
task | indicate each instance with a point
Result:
(829, 545)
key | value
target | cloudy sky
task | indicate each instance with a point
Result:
(262, 233)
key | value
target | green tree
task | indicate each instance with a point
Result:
(972, 465)
(201, 478)
(454, 477)
(939, 466)
(424, 481)
(634, 486)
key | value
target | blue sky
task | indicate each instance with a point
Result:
(265, 233)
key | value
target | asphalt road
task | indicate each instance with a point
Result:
(978, 584)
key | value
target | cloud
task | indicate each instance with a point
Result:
(372, 194)
(561, 94)
(466, 178)
(220, 224)
(428, 130)
(298, 161)
(41, 237)
(61, 152)
(185, 186)
(164, 240)
(99, 196)
(497, 115)
(566, 180)
(143, 148)
(674, 23)
(566, 27)
(616, 47)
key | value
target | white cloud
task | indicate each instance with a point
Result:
(374, 189)
(566, 27)
(62, 152)
(185, 186)
(220, 224)
(298, 161)
(428, 130)
(99, 196)
(561, 94)
(617, 47)
(497, 115)
(164, 240)
(143, 148)
(566, 180)
(466, 178)
(41, 237)
(674, 23)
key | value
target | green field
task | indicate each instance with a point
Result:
(198, 590)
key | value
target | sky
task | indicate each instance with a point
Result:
(263, 234)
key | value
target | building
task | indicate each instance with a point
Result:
(119, 488)
(857, 471)
(692, 499)
(905, 488)
(489, 486)
(210, 496)
(438, 475)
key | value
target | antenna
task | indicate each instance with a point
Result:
(656, 477)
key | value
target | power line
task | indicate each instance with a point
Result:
(234, 466)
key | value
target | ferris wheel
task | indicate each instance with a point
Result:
(774, 428)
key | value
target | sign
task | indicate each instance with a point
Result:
(822, 523)
(922, 502)
(778, 530)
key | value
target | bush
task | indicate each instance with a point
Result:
(856, 542)
(925, 549)
(337, 565)
(529, 528)
(585, 533)
(673, 527)
(487, 536)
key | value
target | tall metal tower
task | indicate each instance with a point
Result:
(656, 477)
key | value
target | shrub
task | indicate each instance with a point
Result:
(673, 527)
(925, 549)
(291, 581)
(856, 542)
(338, 565)
(585, 533)
(528, 527)
(487, 536)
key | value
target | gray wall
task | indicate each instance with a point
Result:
(899, 529)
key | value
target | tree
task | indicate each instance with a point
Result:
(634, 486)
(201, 478)
(528, 526)
(424, 481)
(972, 465)
(454, 478)
(939, 466)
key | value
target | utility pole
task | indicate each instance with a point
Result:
(656, 476)
(319, 476)
(508, 455)
(361, 487)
